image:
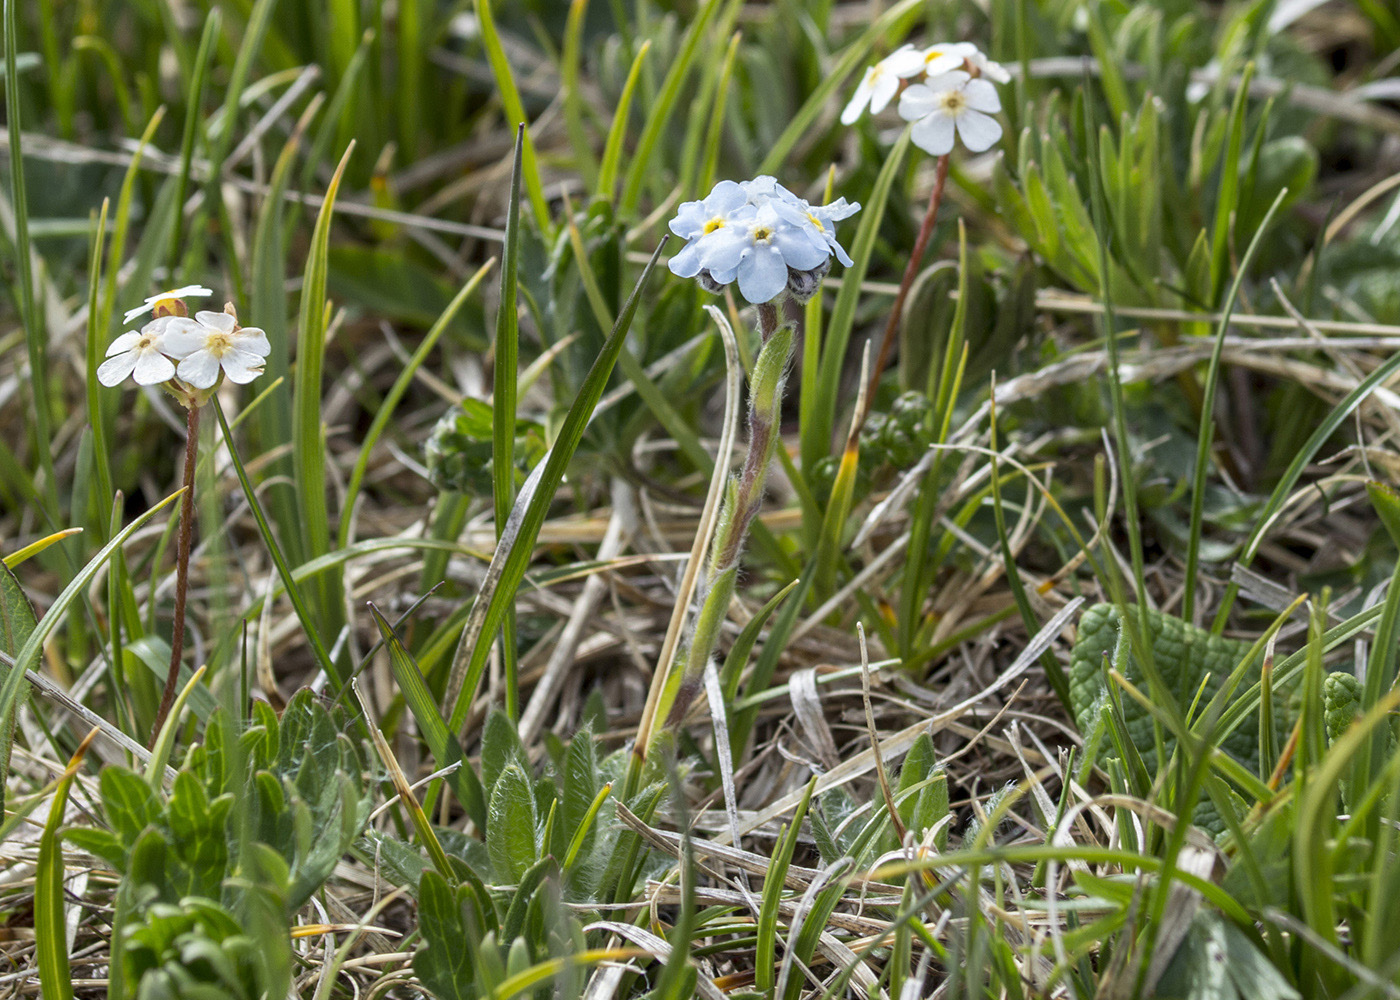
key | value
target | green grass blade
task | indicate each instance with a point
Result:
(514, 108)
(765, 959)
(820, 417)
(50, 927)
(509, 563)
(284, 571)
(659, 114)
(308, 436)
(505, 375)
(714, 132)
(95, 350)
(1103, 234)
(1206, 438)
(895, 22)
(35, 334)
(268, 309)
(1229, 198)
(441, 742)
(202, 60)
(585, 162)
(395, 395)
(612, 149)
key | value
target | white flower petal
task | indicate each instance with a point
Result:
(152, 368)
(947, 81)
(982, 96)
(859, 99)
(762, 274)
(124, 342)
(978, 132)
(220, 321)
(115, 370)
(200, 369)
(242, 366)
(253, 340)
(916, 102)
(933, 134)
(904, 62)
(940, 59)
(182, 336)
(883, 92)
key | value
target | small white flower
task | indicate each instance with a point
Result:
(945, 57)
(188, 291)
(881, 82)
(948, 103)
(212, 341)
(138, 354)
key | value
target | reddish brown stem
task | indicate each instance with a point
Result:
(182, 571)
(916, 259)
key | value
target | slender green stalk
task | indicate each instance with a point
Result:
(182, 570)
(743, 500)
(35, 336)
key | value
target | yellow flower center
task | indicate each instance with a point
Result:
(816, 222)
(761, 234)
(716, 223)
(932, 54)
(169, 307)
(218, 344)
(146, 343)
(953, 101)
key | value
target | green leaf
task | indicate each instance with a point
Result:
(441, 742)
(659, 114)
(308, 437)
(1386, 501)
(450, 939)
(510, 825)
(510, 561)
(17, 623)
(12, 679)
(50, 927)
(500, 746)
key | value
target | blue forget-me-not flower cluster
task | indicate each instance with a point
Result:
(761, 235)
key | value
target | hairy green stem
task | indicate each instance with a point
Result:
(742, 502)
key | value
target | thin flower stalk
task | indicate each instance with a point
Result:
(911, 271)
(182, 571)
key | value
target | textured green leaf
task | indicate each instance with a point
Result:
(445, 961)
(510, 825)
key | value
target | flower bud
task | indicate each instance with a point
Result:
(802, 285)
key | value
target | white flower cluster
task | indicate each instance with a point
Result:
(173, 346)
(955, 96)
(761, 234)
